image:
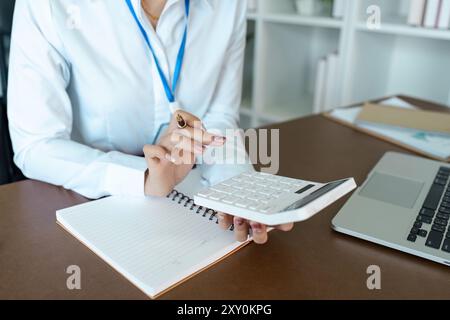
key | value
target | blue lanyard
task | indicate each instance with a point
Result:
(170, 92)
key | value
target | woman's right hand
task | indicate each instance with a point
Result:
(171, 160)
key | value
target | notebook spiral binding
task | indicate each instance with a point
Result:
(187, 202)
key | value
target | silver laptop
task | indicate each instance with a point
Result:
(405, 205)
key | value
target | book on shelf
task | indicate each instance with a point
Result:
(432, 13)
(444, 15)
(307, 7)
(331, 81)
(320, 85)
(252, 6)
(416, 12)
(325, 93)
(338, 8)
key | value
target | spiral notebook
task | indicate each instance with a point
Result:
(155, 243)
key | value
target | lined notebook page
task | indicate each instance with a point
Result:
(155, 243)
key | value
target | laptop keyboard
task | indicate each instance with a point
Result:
(436, 213)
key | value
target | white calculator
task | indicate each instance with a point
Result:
(270, 199)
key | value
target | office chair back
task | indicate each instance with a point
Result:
(8, 171)
(6, 15)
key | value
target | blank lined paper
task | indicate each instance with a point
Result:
(155, 243)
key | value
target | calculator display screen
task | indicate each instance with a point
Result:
(314, 195)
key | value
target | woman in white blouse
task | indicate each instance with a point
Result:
(87, 93)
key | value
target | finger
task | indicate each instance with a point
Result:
(154, 153)
(240, 229)
(225, 220)
(190, 146)
(200, 136)
(179, 157)
(285, 227)
(259, 233)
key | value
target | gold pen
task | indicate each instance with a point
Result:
(181, 122)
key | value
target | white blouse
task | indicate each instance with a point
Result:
(85, 95)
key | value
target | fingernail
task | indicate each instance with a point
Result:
(257, 228)
(170, 158)
(239, 222)
(219, 139)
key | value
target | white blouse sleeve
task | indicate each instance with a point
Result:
(40, 115)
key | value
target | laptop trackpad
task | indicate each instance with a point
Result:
(394, 190)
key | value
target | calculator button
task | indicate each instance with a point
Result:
(277, 194)
(229, 200)
(235, 191)
(217, 196)
(241, 203)
(254, 197)
(223, 189)
(247, 186)
(254, 206)
(258, 189)
(228, 183)
(242, 194)
(266, 192)
(205, 193)
(265, 209)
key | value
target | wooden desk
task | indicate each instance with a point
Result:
(312, 262)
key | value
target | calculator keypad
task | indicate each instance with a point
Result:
(255, 191)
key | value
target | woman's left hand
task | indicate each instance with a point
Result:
(244, 228)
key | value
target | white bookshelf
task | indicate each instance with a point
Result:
(285, 47)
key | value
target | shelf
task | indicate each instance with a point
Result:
(296, 19)
(252, 16)
(405, 30)
(282, 58)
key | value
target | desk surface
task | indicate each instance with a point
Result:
(311, 262)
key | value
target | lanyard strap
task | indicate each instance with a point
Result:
(170, 92)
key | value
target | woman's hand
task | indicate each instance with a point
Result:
(162, 174)
(243, 228)
(171, 160)
(185, 144)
